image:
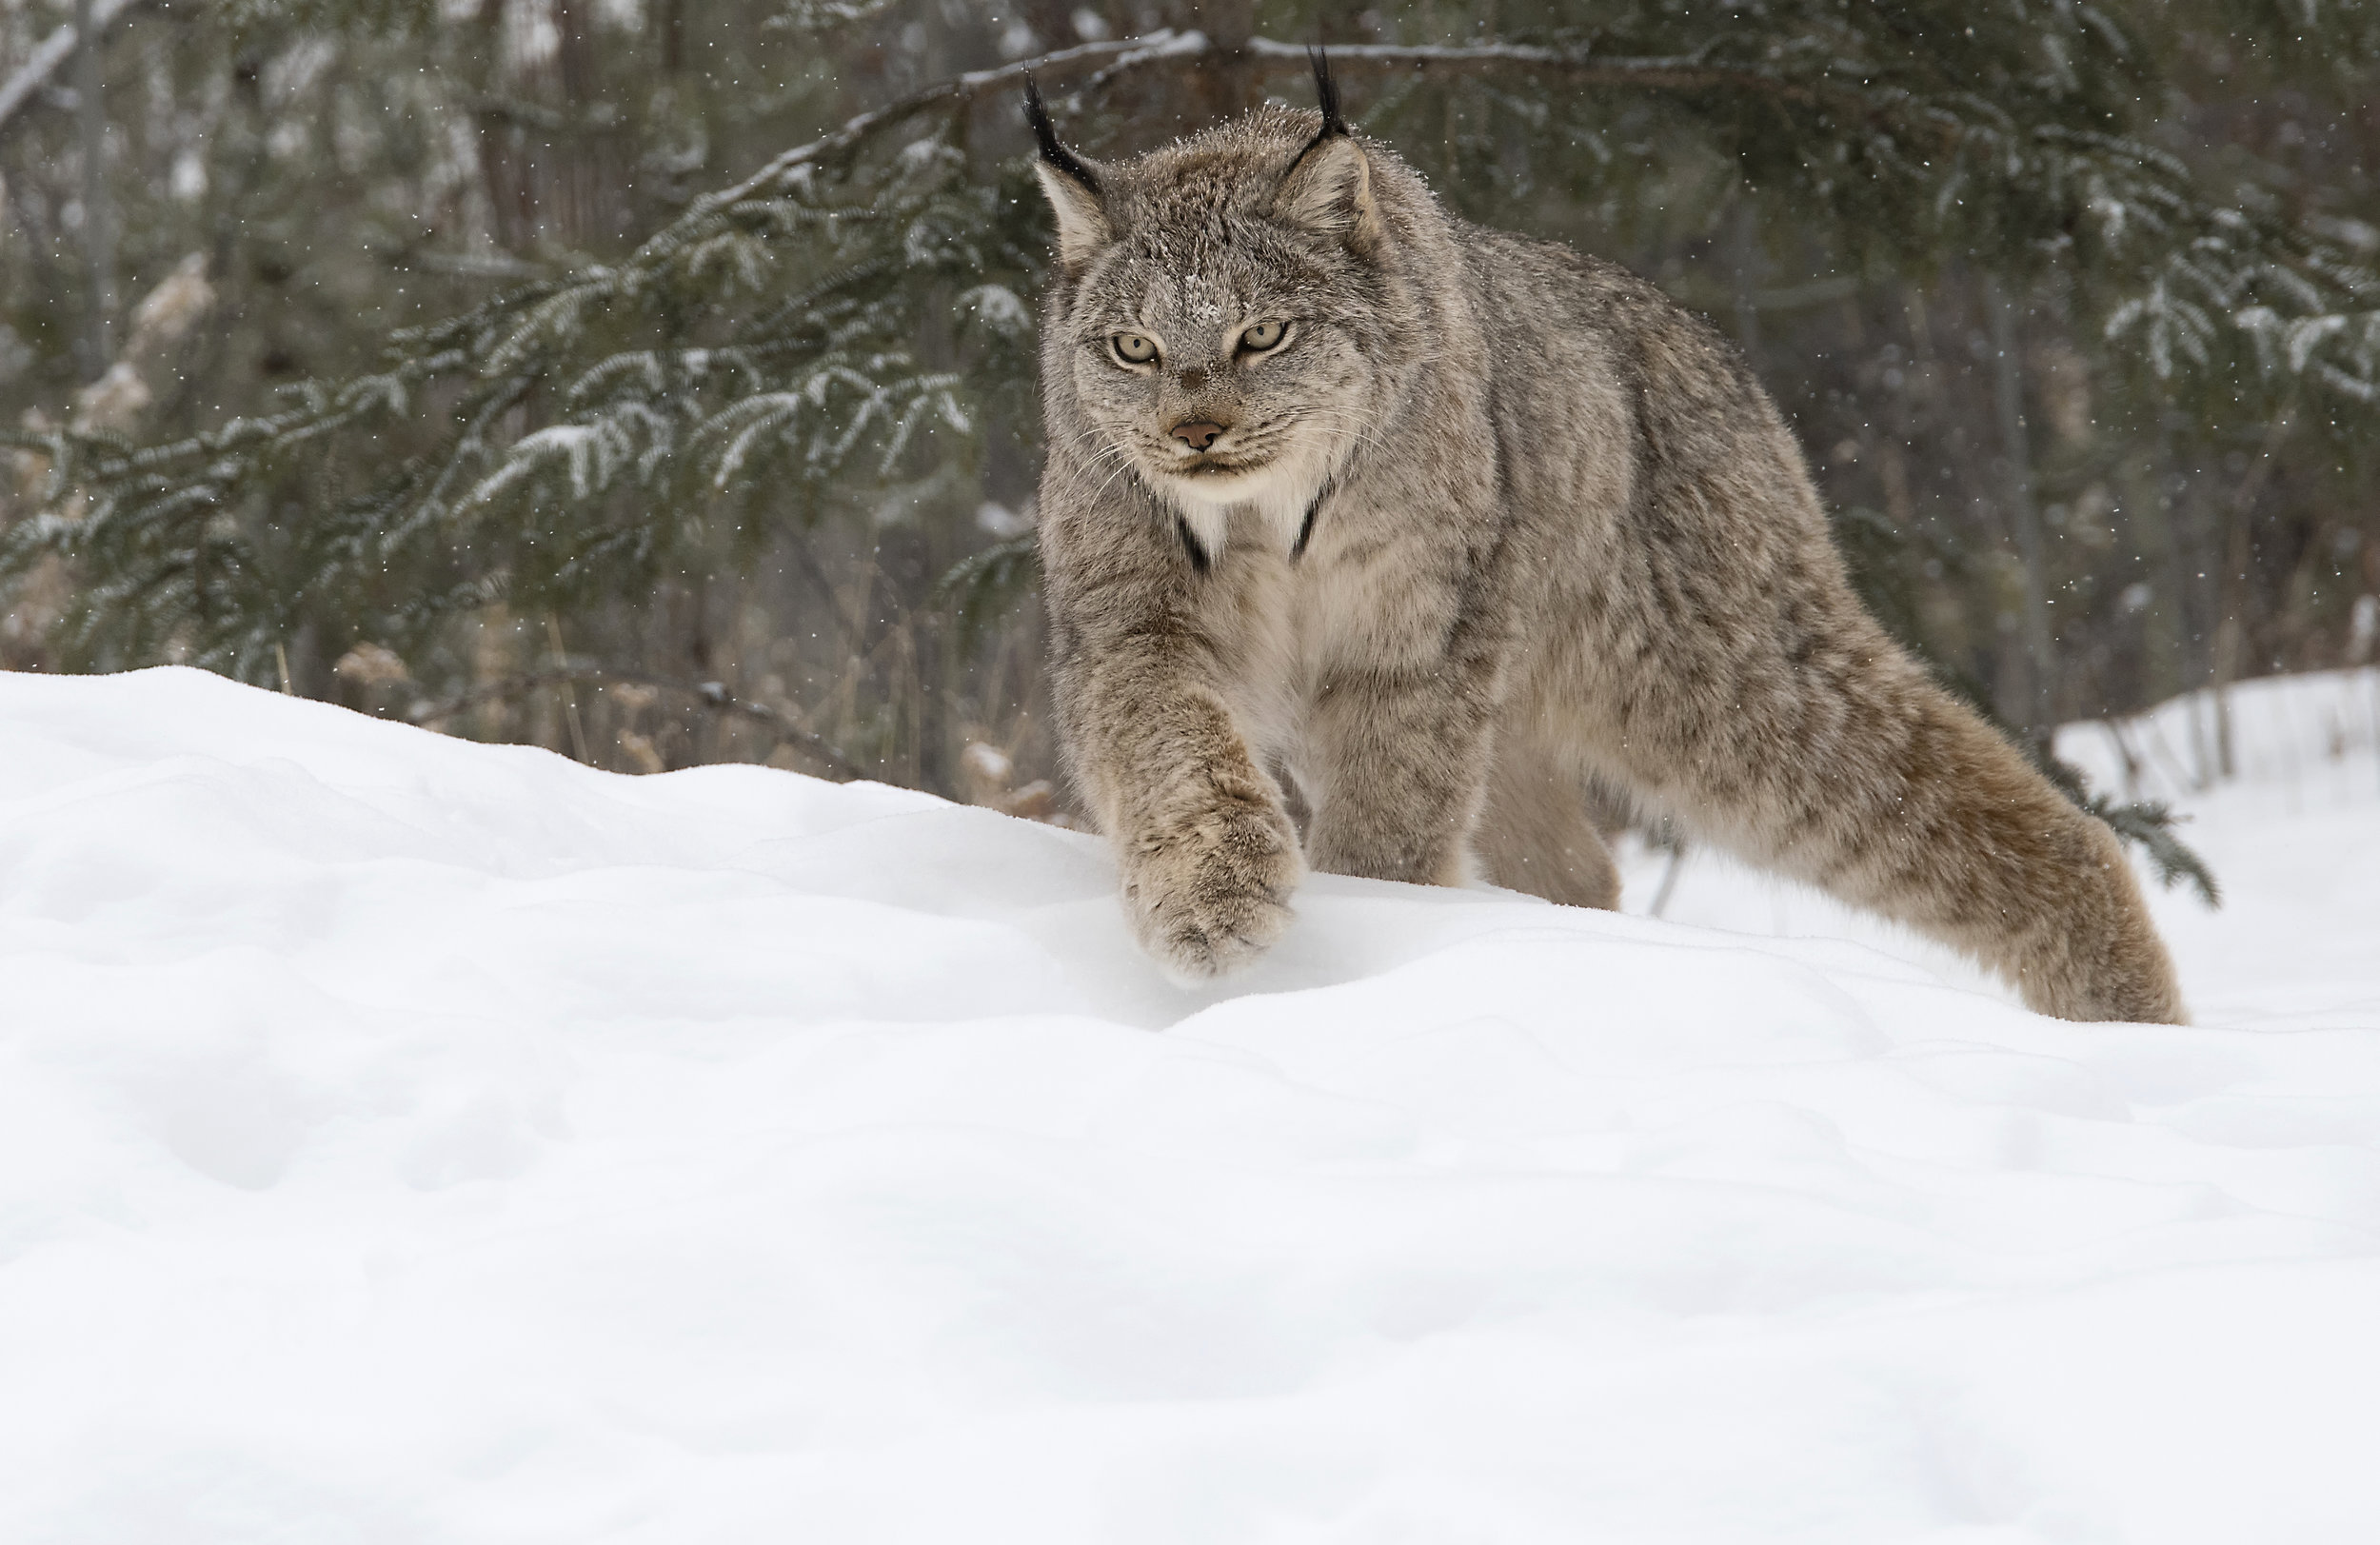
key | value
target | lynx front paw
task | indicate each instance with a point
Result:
(1211, 896)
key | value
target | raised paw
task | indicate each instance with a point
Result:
(1211, 895)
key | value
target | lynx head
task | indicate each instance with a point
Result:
(1221, 312)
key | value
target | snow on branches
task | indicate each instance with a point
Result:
(851, 314)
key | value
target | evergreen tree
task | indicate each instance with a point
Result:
(833, 354)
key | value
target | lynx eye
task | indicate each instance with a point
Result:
(1263, 336)
(1132, 348)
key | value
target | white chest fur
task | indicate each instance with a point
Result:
(1288, 624)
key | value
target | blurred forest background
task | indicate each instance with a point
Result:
(653, 380)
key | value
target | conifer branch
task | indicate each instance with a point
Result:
(755, 364)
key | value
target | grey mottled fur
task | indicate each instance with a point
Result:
(1492, 521)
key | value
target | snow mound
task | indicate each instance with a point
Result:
(403, 1139)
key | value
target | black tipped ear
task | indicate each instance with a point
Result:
(1072, 186)
(1045, 133)
(1326, 93)
(1328, 187)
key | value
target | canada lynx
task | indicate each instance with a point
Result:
(1439, 523)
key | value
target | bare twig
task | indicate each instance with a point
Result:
(1684, 72)
(570, 699)
(1668, 878)
(712, 695)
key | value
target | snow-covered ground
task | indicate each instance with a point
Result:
(403, 1139)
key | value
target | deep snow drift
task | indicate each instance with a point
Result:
(403, 1140)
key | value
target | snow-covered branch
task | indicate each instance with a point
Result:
(53, 52)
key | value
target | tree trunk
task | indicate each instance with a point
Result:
(2230, 638)
(2036, 706)
(99, 224)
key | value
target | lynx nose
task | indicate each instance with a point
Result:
(1198, 436)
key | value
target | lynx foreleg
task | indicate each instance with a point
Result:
(1402, 762)
(1207, 854)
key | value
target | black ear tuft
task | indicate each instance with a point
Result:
(1046, 132)
(1326, 91)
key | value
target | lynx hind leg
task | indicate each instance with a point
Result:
(1918, 810)
(2034, 886)
(1536, 834)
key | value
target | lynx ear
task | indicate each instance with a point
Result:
(1328, 188)
(1072, 186)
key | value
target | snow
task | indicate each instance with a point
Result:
(405, 1140)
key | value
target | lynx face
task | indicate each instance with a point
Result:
(1222, 329)
(1207, 416)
